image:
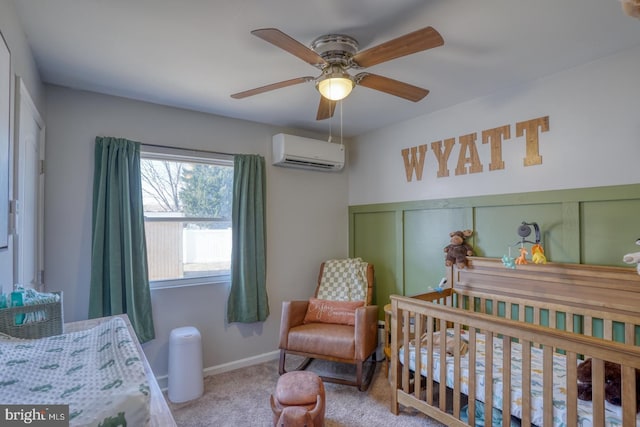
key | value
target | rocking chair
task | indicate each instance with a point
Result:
(338, 325)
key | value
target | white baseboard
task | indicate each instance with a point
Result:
(226, 367)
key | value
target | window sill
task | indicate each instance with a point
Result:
(222, 280)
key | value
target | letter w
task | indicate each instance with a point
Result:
(414, 162)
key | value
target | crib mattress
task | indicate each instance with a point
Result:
(97, 372)
(612, 413)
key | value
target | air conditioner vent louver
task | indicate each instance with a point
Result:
(305, 153)
(306, 163)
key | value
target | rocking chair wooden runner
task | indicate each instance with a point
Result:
(339, 324)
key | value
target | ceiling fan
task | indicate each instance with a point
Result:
(335, 54)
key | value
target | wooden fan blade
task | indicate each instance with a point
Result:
(391, 86)
(326, 108)
(285, 42)
(416, 41)
(272, 86)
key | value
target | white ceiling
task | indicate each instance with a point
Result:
(195, 53)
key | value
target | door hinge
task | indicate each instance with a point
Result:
(41, 167)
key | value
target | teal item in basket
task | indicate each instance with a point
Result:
(31, 297)
(21, 297)
(5, 301)
(17, 301)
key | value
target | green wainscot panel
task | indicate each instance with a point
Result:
(426, 233)
(609, 230)
(374, 240)
(497, 230)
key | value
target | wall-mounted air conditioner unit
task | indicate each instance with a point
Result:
(305, 153)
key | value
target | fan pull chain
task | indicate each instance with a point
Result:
(341, 143)
(330, 123)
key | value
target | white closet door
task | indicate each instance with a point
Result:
(28, 191)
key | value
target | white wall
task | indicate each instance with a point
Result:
(593, 138)
(306, 218)
(22, 65)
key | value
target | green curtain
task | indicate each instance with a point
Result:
(248, 300)
(119, 279)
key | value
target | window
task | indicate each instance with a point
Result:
(187, 199)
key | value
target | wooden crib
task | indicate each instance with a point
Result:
(552, 314)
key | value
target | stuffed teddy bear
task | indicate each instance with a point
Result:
(612, 383)
(458, 250)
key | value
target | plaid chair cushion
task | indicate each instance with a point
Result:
(344, 280)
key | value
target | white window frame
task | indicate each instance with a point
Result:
(154, 152)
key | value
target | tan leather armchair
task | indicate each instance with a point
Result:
(344, 343)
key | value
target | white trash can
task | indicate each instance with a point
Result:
(185, 364)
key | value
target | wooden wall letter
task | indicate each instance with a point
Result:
(530, 128)
(495, 137)
(468, 158)
(415, 161)
(443, 158)
(468, 144)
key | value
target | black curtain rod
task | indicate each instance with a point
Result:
(195, 150)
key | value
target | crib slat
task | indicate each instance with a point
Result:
(628, 396)
(629, 333)
(417, 378)
(488, 378)
(456, 371)
(607, 333)
(588, 325)
(526, 382)
(506, 380)
(547, 382)
(521, 316)
(393, 374)
(442, 394)
(536, 321)
(572, 390)
(597, 393)
(405, 344)
(472, 376)
(430, 370)
(552, 319)
(569, 322)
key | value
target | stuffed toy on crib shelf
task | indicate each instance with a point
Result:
(458, 249)
(633, 258)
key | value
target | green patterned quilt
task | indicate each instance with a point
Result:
(97, 372)
(344, 280)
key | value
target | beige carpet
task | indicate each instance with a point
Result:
(241, 398)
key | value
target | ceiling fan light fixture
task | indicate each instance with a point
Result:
(335, 86)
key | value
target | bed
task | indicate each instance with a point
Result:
(97, 367)
(542, 321)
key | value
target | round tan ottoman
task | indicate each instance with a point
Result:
(298, 400)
